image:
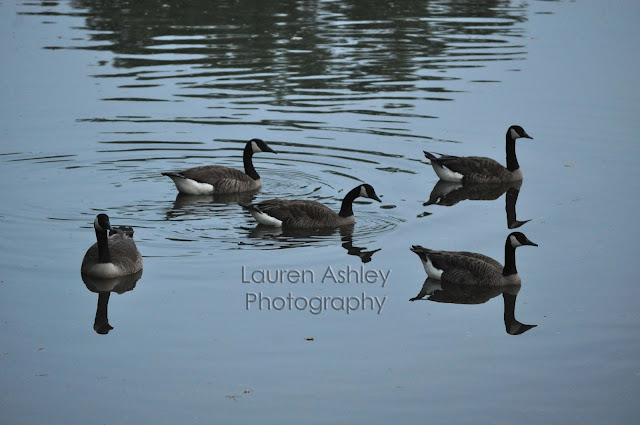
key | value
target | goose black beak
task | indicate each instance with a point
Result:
(270, 150)
(376, 198)
(527, 136)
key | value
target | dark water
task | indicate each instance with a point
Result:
(98, 98)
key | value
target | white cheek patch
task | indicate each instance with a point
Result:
(363, 192)
(514, 134)
(255, 147)
(96, 224)
(514, 241)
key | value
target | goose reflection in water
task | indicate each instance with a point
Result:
(450, 193)
(451, 293)
(104, 288)
(196, 205)
(293, 238)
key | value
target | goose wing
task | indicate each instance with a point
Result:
(124, 252)
(213, 174)
(465, 268)
(298, 213)
(470, 165)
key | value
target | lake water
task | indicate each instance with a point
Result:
(97, 100)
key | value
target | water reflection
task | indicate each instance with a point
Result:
(104, 288)
(447, 292)
(282, 238)
(189, 206)
(450, 193)
(299, 55)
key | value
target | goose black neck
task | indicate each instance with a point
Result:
(509, 259)
(104, 256)
(247, 158)
(346, 210)
(512, 161)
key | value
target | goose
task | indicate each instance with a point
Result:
(476, 169)
(216, 179)
(308, 214)
(468, 268)
(114, 255)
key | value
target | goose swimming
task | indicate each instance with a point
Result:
(468, 268)
(114, 255)
(216, 179)
(308, 214)
(477, 169)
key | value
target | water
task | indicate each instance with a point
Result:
(97, 100)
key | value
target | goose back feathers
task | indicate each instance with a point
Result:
(477, 169)
(218, 179)
(111, 256)
(306, 213)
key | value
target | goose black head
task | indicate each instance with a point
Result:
(101, 223)
(517, 239)
(516, 132)
(258, 145)
(367, 191)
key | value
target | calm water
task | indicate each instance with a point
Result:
(97, 100)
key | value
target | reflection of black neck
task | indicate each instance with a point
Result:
(346, 210)
(347, 243)
(512, 161)
(509, 259)
(509, 308)
(248, 162)
(101, 324)
(510, 206)
(512, 326)
(104, 256)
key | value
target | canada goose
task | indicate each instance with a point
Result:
(477, 169)
(469, 268)
(215, 179)
(308, 214)
(114, 255)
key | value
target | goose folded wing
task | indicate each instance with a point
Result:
(467, 268)
(212, 174)
(468, 165)
(297, 211)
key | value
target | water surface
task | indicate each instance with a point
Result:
(99, 99)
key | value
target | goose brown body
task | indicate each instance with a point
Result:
(306, 213)
(470, 268)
